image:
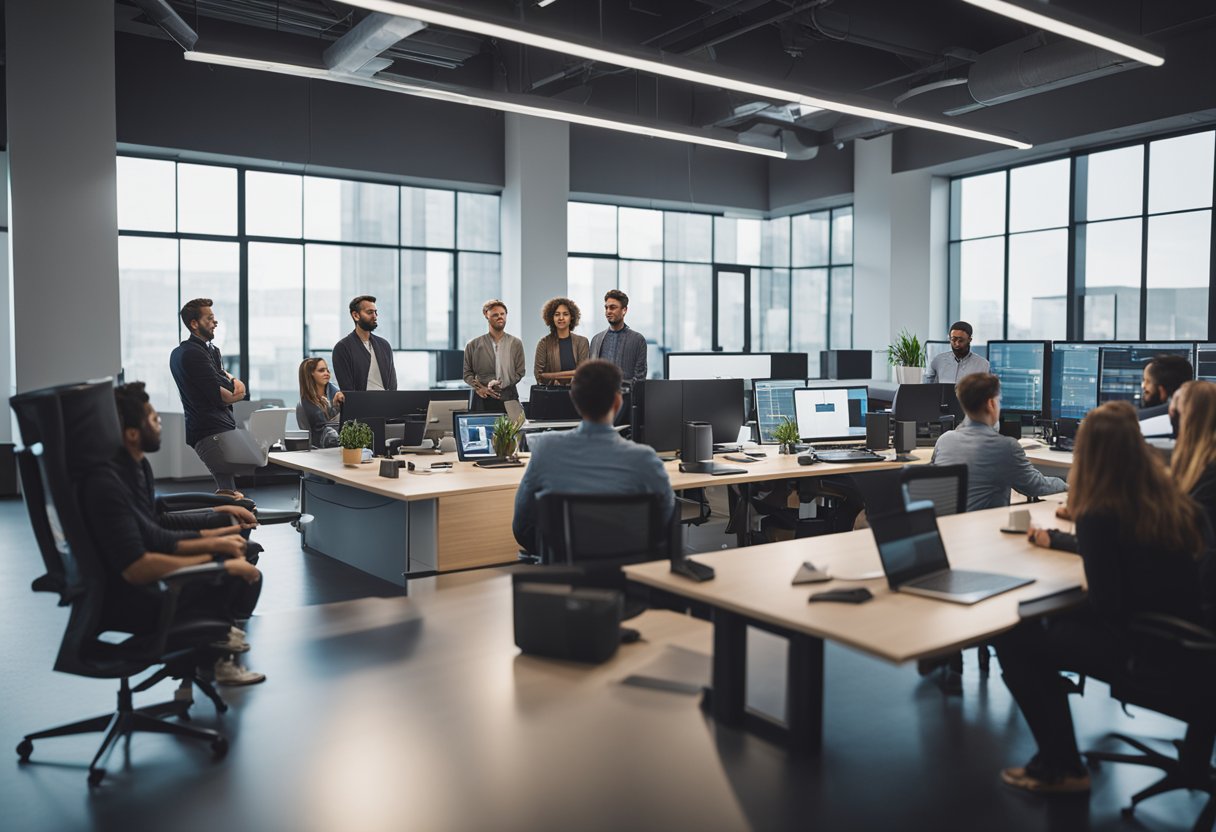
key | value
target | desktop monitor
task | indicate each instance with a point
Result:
(689, 366)
(1022, 368)
(830, 413)
(774, 403)
(1205, 362)
(717, 401)
(1121, 367)
(1074, 379)
(394, 405)
(925, 403)
(439, 413)
(662, 406)
(474, 433)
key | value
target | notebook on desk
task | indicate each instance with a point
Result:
(914, 560)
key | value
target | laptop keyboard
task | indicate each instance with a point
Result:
(955, 582)
(844, 446)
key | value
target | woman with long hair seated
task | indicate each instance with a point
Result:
(319, 400)
(1140, 537)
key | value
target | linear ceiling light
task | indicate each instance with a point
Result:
(1075, 26)
(505, 106)
(670, 67)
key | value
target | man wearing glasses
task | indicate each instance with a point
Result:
(361, 360)
(624, 347)
(951, 367)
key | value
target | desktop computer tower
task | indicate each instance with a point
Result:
(878, 431)
(1011, 425)
(905, 437)
(845, 364)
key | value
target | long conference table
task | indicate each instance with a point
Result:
(424, 523)
(752, 588)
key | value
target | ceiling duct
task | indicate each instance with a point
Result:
(849, 129)
(1033, 65)
(163, 15)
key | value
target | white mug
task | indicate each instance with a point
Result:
(1019, 520)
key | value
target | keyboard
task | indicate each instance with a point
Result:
(497, 462)
(957, 582)
(838, 446)
(854, 455)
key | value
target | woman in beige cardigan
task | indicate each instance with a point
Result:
(559, 352)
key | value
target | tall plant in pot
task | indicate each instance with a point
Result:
(505, 437)
(907, 356)
(354, 437)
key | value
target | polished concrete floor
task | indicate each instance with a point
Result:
(366, 724)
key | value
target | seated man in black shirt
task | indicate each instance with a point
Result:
(119, 508)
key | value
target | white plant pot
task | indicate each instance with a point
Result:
(909, 375)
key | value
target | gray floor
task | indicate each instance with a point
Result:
(898, 754)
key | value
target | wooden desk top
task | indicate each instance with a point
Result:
(1046, 456)
(465, 478)
(894, 626)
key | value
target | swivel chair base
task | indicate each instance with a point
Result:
(1189, 770)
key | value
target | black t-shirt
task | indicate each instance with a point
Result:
(565, 349)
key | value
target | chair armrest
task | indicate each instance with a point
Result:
(187, 501)
(1177, 631)
(187, 574)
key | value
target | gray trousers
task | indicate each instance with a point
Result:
(208, 451)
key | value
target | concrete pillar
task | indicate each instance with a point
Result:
(62, 189)
(534, 224)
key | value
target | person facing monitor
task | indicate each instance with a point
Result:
(951, 367)
(591, 459)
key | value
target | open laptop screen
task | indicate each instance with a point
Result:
(909, 545)
(473, 432)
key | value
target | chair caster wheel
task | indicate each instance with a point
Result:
(96, 775)
(24, 749)
(219, 747)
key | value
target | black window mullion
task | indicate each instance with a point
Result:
(1077, 170)
(1143, 248)
(1005, 299)
(242, 279)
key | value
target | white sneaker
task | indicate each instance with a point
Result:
(228, 672)
(235, 643)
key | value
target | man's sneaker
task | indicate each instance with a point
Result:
(228, 672)
(1021, 778)
(235, 643)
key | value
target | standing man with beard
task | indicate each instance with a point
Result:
(494, 364)
(208, 391)
(951, 367)
(361, 360)
(624, 347)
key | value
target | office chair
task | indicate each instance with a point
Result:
(1173, 672)
(268, 425)
(68, 431)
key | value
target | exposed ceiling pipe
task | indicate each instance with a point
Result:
(367, 39)
(170, 22)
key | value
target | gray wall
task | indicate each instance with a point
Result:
(828, 178)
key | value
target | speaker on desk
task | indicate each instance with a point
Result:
(905, 438)
(1011, 425)
(698, 442)
(878, 431)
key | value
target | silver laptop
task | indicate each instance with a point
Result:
(914, 559)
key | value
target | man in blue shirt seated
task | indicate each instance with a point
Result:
(995, 463)
(592, 458)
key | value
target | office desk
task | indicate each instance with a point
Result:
(752, 588)
(1052, 462)
(421, 523)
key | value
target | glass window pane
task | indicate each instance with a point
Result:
(1114, 183)
(737, 241)
(276, 317)
(480, 280)
(1038, 285)
(352, 212)
(1038, 196)
(1180, 172)
(688, 299)
(428, 218)
(213, 270)
(1179, 251)
(147, 195)
(810, 239)
(641, 233)
(842, 308)
(731, 307)
(147, 296)
(587, 280)
(776, 242)
(687, 236)
(274, 204)
(809, 334)
(206, 199)
(981, 284)
(335, 274)
(982, 205)
(643, 282)
(771, 310)
(426, 299)
(1110, 270)
(842, 236)
(477, 223)
(591, 228)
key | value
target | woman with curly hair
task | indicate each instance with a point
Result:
(561, 351)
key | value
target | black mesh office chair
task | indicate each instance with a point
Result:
(1173, 673)
(67, 431)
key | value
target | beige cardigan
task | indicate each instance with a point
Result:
(549, 360)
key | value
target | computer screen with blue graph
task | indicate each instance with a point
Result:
(774, 398)
(1074, 379)
(1121, 367)
(1021, 365)
(831, 413)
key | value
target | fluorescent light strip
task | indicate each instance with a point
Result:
(594, 53)
(1051, 19)
(477, 101)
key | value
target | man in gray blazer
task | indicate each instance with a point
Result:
(624, 347)
(494, 364)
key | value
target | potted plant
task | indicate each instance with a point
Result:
(354, 437)
(505, 437)
(907, 356)
(786, 435)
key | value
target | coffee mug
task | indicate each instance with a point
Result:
(1019, 520)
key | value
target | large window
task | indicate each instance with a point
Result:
(1137, 221)
(282, 254)
(704, 282)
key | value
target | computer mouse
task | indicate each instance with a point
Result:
(807, 459)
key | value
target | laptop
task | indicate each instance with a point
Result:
(914, 559)
(473, 432)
